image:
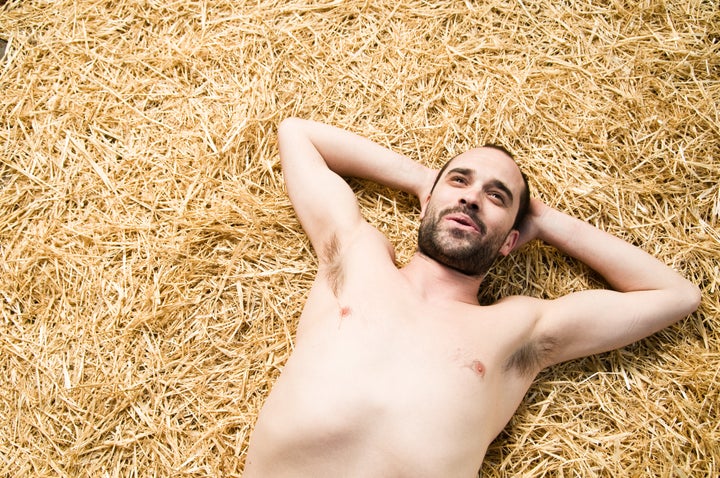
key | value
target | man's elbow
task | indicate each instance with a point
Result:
(689, 297)
(694, 296)
(287, 126)
(291, 138)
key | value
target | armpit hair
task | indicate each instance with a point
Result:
(333, 265)
(531, 356)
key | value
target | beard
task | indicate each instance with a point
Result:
(468, 252)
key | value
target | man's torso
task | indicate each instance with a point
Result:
(384, 382)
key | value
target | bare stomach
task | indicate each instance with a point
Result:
(372, 399)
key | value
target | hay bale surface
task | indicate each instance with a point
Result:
(152, 269)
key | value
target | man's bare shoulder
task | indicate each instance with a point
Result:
(363, 237)
(362, 248)
(523, 303)
(532, 350)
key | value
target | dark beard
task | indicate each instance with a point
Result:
(468, 253)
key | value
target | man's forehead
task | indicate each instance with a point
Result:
(490, 161)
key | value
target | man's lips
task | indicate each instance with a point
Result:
(467, 221)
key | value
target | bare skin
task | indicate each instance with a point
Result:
(400, 372)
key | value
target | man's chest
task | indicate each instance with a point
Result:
(383, 336)
(409, 365)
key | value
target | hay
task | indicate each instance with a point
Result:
(153, 270)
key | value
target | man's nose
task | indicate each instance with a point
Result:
(470, 202)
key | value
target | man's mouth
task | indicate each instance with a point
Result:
(467, 221)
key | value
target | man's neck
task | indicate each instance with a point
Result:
(437, 282)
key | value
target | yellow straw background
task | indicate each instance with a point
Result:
(152, 270)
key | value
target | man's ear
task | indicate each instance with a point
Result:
(510, 242)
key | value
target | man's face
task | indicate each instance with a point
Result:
(468, 218)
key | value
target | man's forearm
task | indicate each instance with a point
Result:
(625, 267)
(351, 155)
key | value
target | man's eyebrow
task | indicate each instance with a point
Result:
(463, 171)
(496, 183)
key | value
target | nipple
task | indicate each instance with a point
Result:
(344, 312)
(478, 367)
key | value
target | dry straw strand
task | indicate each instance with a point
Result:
(153, 270)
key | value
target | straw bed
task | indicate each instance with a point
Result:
(152, 268)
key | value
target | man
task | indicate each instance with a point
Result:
(400, 372)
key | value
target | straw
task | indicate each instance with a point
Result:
(153, 270)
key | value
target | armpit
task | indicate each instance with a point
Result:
(333, 265)
(531, 356)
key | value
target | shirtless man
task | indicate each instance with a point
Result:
(400, 372)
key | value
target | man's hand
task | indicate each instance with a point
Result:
(530, 227)
(425, 188)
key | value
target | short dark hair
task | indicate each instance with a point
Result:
(524, 194)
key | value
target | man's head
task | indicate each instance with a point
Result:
(474, 210)
(524, 204)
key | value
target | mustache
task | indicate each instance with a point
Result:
(469, 213)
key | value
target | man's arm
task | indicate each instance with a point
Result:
(647, 297)
(314, 158)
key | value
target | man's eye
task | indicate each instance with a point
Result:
(458, 179)
(498, 197)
